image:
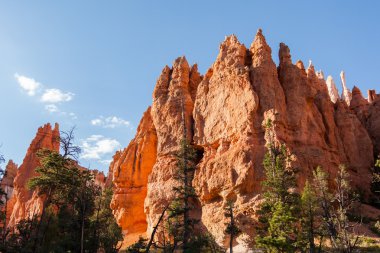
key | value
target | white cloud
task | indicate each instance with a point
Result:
(28, 84)
(106, 162)
(110, 122)
(56, 96)
(96, 146)
(51, 108)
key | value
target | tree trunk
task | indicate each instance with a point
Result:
(232, 226)
(155, 229)
(82, 229)
(311, 232)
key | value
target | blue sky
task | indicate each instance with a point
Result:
(94, 64)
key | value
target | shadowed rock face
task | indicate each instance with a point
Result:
(24, 202)
(223, 112)
(6, 184)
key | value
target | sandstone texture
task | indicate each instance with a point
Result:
(26, 203)
(222, 113)
(130, 170)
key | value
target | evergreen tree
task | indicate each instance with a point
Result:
(75, 217)
(310, 212)
(231, 228)
(375, 186)
(106, 233)
(139, 246)
(346, 241)
(280, 207)
(181, 225)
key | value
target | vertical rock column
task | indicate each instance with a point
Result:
(224, 114)
(175, 89)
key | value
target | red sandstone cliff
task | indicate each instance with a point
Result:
(224, 112)
(130, 170)
(25, 203)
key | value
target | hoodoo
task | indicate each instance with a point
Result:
(224, 111)
(26, 203)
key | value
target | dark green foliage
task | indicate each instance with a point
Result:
(139, 246)
(311, 219)
(76, 214)
(231, 228)
(375, 186)
(336, 206)
(106, 233)
(279, 213)
(180, 224)
(22, 237)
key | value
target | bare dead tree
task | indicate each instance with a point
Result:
(69, 149)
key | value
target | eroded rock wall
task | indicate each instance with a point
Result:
(223, 113)
(130, 170)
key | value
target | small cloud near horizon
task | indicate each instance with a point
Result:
(110, 122)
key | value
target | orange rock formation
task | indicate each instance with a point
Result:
(224, 112)
(130, 170)
(25, 203)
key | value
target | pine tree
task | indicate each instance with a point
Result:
(336, 206)
(181, 225)
(280, 207)
(375, 186)
(106, 233)
(231, 228)
(344, 199)
(310, 212)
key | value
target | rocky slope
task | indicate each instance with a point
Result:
(224, 111)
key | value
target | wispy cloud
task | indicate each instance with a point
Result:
(56, 96)
(106, 162)
(96, 147)
(110, 122)
(28, 84)
(51, 108)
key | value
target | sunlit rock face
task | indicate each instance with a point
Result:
(130, 170)
(222, 113)
(26, 203)
(172, 109)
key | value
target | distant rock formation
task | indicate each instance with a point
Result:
(26, 203)
(6, 184)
